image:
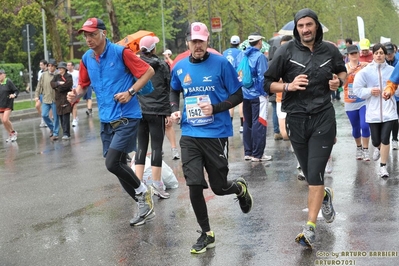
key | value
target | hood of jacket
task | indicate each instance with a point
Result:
(307, 12)
(250, 50)
(153, 60)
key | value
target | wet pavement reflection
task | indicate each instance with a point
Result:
(60, 206)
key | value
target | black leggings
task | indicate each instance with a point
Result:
(380, 132)
(199, 205)
(153, 125)
(116, 163)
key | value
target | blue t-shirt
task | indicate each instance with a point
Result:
(213, 80)
(231, 55)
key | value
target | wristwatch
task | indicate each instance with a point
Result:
(132, 92)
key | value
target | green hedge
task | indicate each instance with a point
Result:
(14, 72)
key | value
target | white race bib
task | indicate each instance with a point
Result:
(195, 117)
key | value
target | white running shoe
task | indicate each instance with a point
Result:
(394, 145)
(376, 154)
(75, 122)
(359, 153)
(383, 171)
(14, 136)
(42, 124)
(366, 155)
(263, 158)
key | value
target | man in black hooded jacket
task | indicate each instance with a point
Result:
(310, 69)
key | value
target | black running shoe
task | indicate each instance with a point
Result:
(245, 198)
(203, 243)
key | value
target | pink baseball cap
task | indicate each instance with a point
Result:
(148, 42)
(197, 31)
(92, 24)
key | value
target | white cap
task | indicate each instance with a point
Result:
(255, 37)
(235, 39)
(167, 51)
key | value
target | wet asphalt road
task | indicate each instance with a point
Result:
(60, 206)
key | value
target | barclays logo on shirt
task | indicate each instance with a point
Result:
(200, 89)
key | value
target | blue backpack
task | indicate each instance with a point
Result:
(244, 72)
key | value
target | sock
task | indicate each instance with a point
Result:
(242, 121)
(141, 189)
(311, 224)
(231, 119)
(382, 164)
(158, 184)
(359, 146)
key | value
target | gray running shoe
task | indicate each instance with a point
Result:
(307, 237)
(245, 199)
(138, 220)
(327, 209)
(159, 191)
(145, 202)
(203, 243)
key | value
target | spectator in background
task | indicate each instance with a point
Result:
(231, 55)
(62, 84)
(8, 92)
(44, 88)
(25, 76)
(38, 104)
(255, 102)
(365, 54)
(75, 78)
(166, 55)
(348, 42)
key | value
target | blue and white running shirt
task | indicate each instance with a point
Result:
(213, 80)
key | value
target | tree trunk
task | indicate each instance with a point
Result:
(51, 24)
(116, 36)
(55, 37)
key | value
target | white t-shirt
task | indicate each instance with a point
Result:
(75, 78)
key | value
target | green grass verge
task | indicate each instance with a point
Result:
(22, 105)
